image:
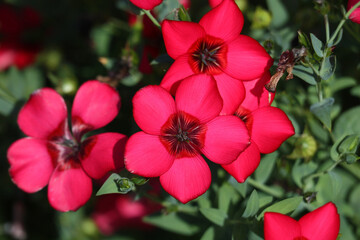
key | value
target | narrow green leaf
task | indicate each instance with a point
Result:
(227, 194)
(305, 73)
(139, 180)
(214, 215)
(355, 91)
(328, 67)
(285, 206)
(265, 200)
(265, 167)
(337, 40)
(252, 205)
(317, 45)
(322, 111)
(209, 234)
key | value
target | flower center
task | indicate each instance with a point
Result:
(208, 55)
(183, 135)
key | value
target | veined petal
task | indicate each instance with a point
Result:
(225, 21)
(146, 156)
(322, 223)
(179, 70)
(271, 127)
(69, 188)
(30, 164)
(247, 59)
(278, 226)
(226, 137)
(256, 94)
(187, 178)
(198, 95)
(179, 36)
(95, 105)
(146, 4)
(245, 164)
(232, 92)
(103, 153)
(44, 114)
(152, 106)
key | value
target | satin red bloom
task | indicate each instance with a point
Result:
(320, 224)
(55, 156)
(146, 4)
(355, 15)
(268, 128)
(215, 47)
(176, 133)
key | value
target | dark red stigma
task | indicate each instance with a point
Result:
(183, 135)
(208, 55)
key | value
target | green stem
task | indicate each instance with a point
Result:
(327, 28)
(334, 35)
(319, 90)
(319, 174)
(152, 18)
(264, 188)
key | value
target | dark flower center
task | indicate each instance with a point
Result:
(183, 135)
(208, 55)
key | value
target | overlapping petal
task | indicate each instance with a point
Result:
(152, 107)
(278, 226)
(245, 164)
(271, 127)
(198, 95)
(322, 223)
(232, 92)
(95, 105)
(146, 156)
(226, 137)
(30, 164)
(103, 153)
(224, 21)
(179, 36)
(69, 187)
(44, 115)
(247, 59)
(146, 4)
(187, 178)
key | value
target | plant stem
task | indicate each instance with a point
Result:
(152, 18)
(327, 28)
(264, 188)
(319, 90)
(319, 174)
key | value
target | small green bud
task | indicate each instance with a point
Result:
(261, 18)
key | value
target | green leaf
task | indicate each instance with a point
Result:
(214, 215)
(317, 45)
(328, 187)
(209, 234)
(265, 167)
(227, 194)
(183, 14)
(300, 170)
(252, 205)
(334, 153)
(347, 123)
(285, 206)
(173, 222)
(342, 83)
(239, 187)
(305, 73)
(265, 200)
(116, 184)
(322, 111)
(355, 91)
(280, 15)
(328, 67)
(303, 39)
(338, 39)
(139, 180)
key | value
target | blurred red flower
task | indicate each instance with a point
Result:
(355, 15)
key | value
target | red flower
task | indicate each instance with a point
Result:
(355, 15)
(268, 128)
(214, 3)
(175, 133)
(55, 156)
(215, 47)
(320, 224)
(146, 4)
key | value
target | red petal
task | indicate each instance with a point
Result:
(278, 226)
(30, 164)
(245, 164)
(198, 96)
(355, 15)
(232, 92)
(322, 223)
(271, 127)
(247, 59)
(152, 106)
(179, 36)
(103, 153)
(146, 156)
(69, 188)
(179, 70)
(256, 94)
(226, 137)
(146, 4)
(187, 178)
(43, 115)
(224, 21)
(95, 105)
(214, 3)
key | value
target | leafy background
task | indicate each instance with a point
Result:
(82, 40)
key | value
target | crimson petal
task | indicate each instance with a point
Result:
(146, 4)
(278, 226)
